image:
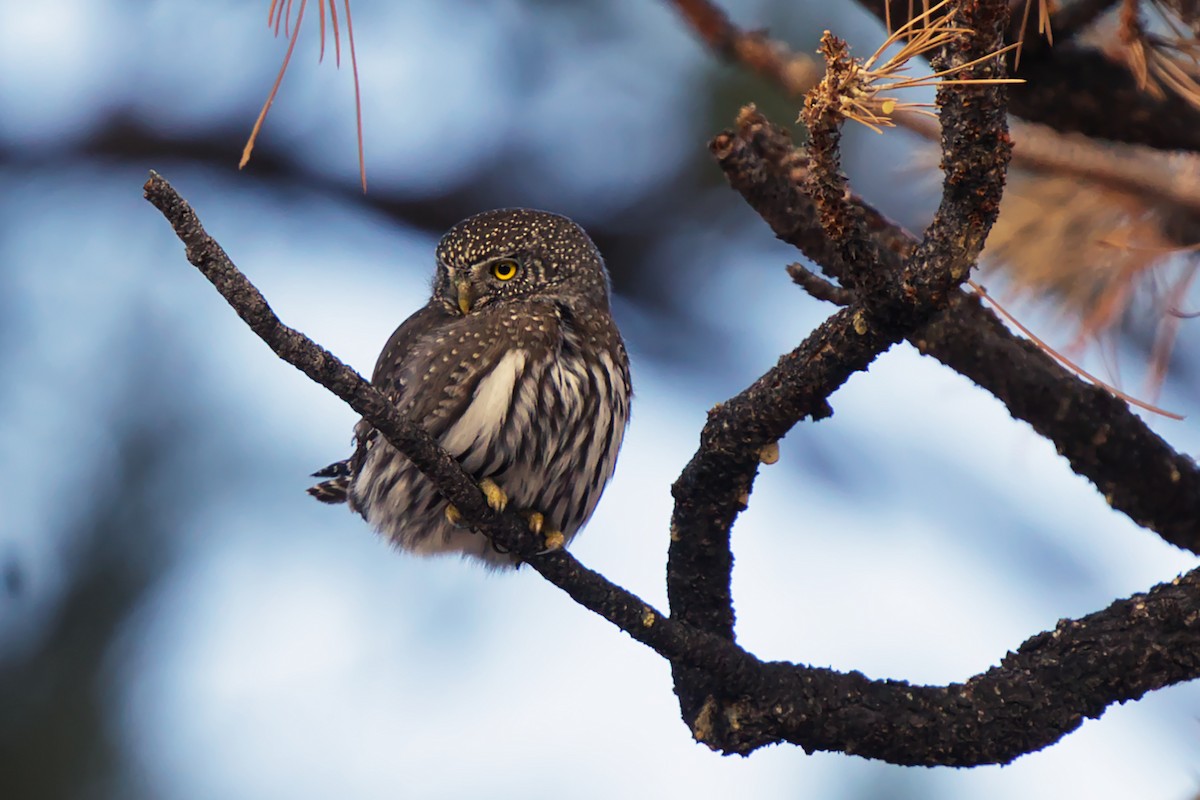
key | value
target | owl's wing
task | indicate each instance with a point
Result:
(399, 348)
(443, 369)
(394, 371)
(387, 378)
(458, 376)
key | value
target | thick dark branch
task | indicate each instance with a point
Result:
(1033, 698)
(714, 486)
(1036, 696)
(975, 155)
(1136, 471)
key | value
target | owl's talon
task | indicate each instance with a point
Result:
(554, 540)
(496, 497)
(453, 516)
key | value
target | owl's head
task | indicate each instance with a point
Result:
(517, 253)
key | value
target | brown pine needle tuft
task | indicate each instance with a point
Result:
(853, 89)
(1162, 64)
(287, 57)
(1095, 250)
(280, 15)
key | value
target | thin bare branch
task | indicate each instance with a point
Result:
(795, 72)
(819, 287)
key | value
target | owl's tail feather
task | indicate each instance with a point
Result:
(336, 490)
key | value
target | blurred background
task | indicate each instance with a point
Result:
(177, 618)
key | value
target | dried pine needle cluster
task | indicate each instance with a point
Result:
(1163, 63)
(1045, 9)
(861, 90)
(1089, 245)
(279, 15)
(1094, 248)
(1078, 240)
(1111, 256)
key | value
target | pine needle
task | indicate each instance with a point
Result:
(279, 14)
(1066, 362)
(855, 88)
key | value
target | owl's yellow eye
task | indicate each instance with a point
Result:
(504, 270)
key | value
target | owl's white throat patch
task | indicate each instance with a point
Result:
(489, 407)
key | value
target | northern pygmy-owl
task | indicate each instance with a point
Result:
(516, 367)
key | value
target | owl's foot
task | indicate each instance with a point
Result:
(497, 499)
(537, 523)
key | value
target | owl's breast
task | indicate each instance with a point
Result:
(533, 401)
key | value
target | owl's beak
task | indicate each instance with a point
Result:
(463, 289)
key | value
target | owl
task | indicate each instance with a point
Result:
(515, 367)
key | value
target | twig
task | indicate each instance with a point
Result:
(796, 73)
(819, 287)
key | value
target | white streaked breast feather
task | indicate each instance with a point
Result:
(485, 416)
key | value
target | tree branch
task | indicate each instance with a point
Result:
(715, 485)
(819, 287)
(1137, 472)
(796, 73)
(1073, 88)
(1032, 699)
